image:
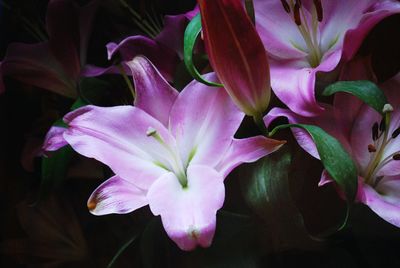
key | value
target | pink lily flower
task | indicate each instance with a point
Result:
(170, 151)
(375, 147)
(304, 38)
(165, 50)
(237, 54)
(55, 64)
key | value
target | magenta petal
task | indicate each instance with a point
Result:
(203, 120)
(154, 95)
(325, 178)
(294, 83)
(326, 121)
(92, 71)
(386, 204)
(116, 195)
(161, 56)
(172, 34)
(117, 137)
(34, 64)
(377, 13)
(277, 30)
(54, 139)
(188, 214)
(246, 151)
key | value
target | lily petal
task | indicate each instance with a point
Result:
(323, 121)
(188, 214)
(172, 34)
(247, 151)
(386, 204)
(161, 56)
(355, 37)
(116, 195)
(277, 30)
(54, 139)
(203, 120)
(293, 81)
(154, 95)
(116, 136)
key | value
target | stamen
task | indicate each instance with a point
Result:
(151, 132)
(396, 133)
(318, 8)
(387, 108)
(382, 125)
(371, 148)
(286, 6)
(375, 131)
(176, 163)
(296, 13)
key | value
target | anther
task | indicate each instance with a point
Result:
(375, 129)
(382, 125)
(371, 148)
(387, 108)
(296, 13)
(285, 6)
(318, 8)
(396, 133)
(396, 156)
(151, 132)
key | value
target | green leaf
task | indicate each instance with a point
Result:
(337, 162)
(152, 244)
(131, 238)
(191, 34)
(366, 91)
(265, 186)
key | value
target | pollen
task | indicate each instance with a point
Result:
(193, 233)
(151, 132)
(92, 204)
(371, 148)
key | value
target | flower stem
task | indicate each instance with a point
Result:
(258, 119)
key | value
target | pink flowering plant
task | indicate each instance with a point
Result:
(203, 133)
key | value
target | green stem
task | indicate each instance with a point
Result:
(122, 249)
(258, 119)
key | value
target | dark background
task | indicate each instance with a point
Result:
(58, 231)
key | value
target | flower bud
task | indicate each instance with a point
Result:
(236, 54)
